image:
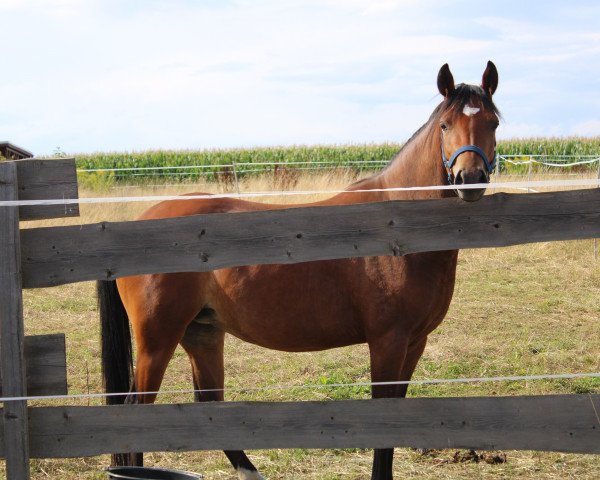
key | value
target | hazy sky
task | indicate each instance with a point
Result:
(131, 75)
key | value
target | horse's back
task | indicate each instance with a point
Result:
(198, 206)
(217, 204)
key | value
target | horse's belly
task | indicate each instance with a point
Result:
(319, 305)
(291, 333)
(301, 307)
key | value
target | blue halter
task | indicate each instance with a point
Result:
(466, 148)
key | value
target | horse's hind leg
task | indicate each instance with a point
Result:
(204, 346)
(151, 364)
(156, 340)
(135, 459)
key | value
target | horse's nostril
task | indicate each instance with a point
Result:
(458, 180)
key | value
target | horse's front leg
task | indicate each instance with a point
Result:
(392, 359)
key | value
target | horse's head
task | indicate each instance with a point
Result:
(467, 123)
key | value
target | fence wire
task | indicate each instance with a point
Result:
(434, 381)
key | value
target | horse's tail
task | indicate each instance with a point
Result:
(117, 357)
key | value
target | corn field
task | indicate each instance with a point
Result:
(99, 169)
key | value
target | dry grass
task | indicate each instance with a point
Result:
(530, 309)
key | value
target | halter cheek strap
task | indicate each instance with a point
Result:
(449, 163)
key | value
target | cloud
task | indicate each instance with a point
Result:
(51, 8)
(517, 129)
(182, 73)
(588, 128)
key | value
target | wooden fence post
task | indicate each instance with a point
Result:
(16, 435)
(595, 239)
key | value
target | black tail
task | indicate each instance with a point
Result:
(117, 357)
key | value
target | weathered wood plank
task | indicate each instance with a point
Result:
(11, 330)
(47, 179)
(52, 256)
(564, 423)
(46, 365)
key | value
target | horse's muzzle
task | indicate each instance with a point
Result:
(471, 176)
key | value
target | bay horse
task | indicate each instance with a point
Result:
(390, 303)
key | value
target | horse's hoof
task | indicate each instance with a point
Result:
(244, 474)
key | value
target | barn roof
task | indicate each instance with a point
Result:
(13, 152)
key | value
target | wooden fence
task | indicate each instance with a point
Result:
(40, 257)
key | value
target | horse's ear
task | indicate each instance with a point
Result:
(445, 81)
(489, 81)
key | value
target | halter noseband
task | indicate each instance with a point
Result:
(466, 148)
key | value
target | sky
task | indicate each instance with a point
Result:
(113, 75)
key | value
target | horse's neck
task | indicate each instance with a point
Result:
(419, 164)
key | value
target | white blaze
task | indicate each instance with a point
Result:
(470, 111)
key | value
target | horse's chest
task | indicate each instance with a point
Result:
(414, 291)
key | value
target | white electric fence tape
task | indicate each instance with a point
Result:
(586, 182)
(551, 164)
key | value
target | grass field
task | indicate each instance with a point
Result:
(523, 310)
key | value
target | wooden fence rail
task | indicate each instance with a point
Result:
(57, 255)
(564, 423)
(45, 365)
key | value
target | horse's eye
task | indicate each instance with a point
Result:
(444, 126)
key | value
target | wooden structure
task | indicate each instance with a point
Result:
(17, 359)
(12, 152)
(40, 257)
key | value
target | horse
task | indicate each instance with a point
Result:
(392, 303)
